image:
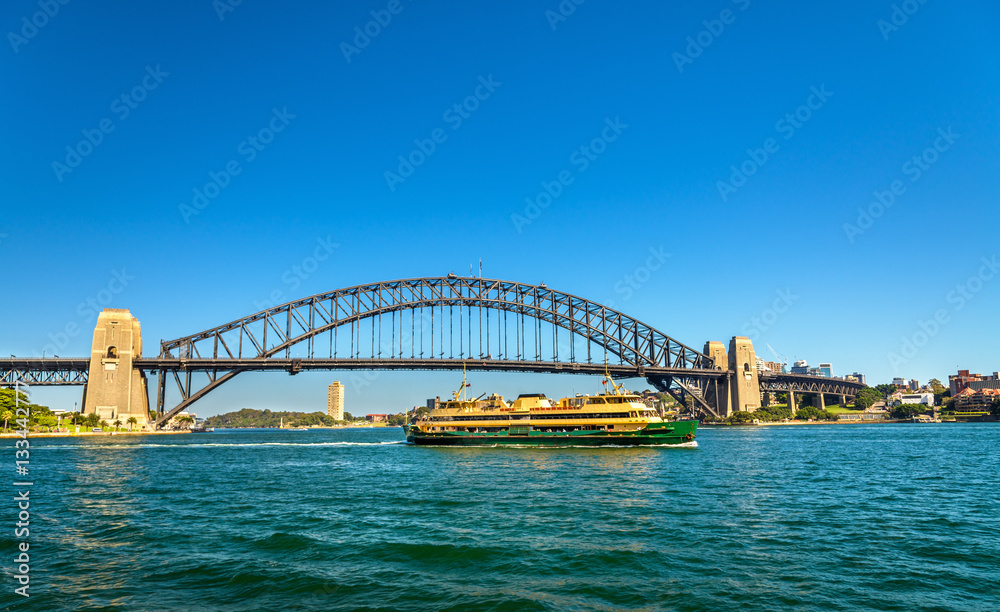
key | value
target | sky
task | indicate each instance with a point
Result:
(821, 177)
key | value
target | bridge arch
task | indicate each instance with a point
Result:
(245, 344)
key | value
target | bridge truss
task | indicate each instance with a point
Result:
(433, 323)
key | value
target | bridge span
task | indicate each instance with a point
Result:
(438, 323)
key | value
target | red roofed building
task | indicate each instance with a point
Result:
(971, 400)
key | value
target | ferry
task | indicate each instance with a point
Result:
(612, 418)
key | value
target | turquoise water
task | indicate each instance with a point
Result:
(880, 517)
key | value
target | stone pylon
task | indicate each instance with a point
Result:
(719, 395)
(746, 384)
(116, 391)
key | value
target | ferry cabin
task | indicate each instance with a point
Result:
(535, 412)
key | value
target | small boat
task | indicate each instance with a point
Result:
(612, 418)
(201, 429)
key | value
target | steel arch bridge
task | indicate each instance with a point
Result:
(434, 323)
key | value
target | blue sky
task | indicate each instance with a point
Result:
(751, 140)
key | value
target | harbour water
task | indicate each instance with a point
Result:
(879, 517)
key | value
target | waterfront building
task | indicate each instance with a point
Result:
(434, 403)
(826, 369)
(970, 400)
(335, 401)
(917, 398)
(965, 380)
(988, 382)
(377, 418)
(800, 367)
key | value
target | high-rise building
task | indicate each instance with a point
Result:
(856, 377)
(914, 385)
(335, 401)
(826, 369)
(800, 367)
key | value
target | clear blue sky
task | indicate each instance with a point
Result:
(197, 86)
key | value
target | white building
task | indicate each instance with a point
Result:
(917, 398)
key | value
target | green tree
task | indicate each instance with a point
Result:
(131, 421)
(866, 398)
(743, 416)
(117, 424)
(104, 424)
(995, 407)
(936, 386)
(906, 411)
(9, 401)
(185, 422)
(811, 412)
(886, 390)
(7, 414)
(92, 420)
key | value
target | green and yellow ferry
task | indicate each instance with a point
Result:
(611, 418)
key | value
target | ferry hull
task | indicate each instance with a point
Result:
(660, 434)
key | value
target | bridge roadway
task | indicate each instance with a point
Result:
(74, 370)
(44, 371)
(294, 366)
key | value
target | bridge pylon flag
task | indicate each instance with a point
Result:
(116, 390)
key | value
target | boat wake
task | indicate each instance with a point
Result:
(218, 445)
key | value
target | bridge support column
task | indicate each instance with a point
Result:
(843, 401)
(791, 401)
(746, 385)
(821, 400)
(116, 391)
(719, 394)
